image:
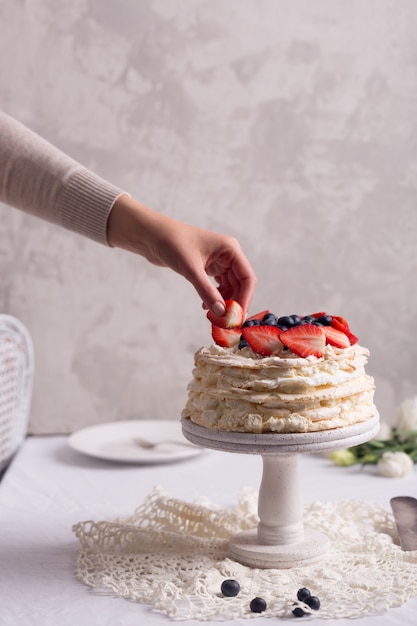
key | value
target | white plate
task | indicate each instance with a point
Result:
(115, 441)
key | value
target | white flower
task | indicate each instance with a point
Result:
(384, 432)
(395, 465)
(344, 457)
(407, 414)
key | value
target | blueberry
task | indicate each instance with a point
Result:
(243, 344)
(307, 319)
(251, 323)
(258, 605)
(285, 321)
(325, 320)
(230, 588)
(296, 319)
(303, 593)
(270, 319)
(298, 612)
(313, 602)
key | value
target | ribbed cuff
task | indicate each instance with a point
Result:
(86, 203)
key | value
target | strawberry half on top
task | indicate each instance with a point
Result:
(232, 317)
(263, 339)
(343, 327)
(335, 337)
(225, 337)
(306, 340)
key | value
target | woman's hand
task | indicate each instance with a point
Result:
(195, 253)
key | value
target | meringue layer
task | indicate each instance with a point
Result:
(241, 391)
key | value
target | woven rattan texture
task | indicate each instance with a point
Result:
(16, 378)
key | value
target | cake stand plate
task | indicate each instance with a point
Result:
(280, 541)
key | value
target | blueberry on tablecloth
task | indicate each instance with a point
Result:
(257, 605)
(230, 588)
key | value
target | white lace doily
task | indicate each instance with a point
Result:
(173, 555)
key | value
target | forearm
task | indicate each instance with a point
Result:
(37, 178)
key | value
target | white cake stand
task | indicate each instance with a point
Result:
(280, 541)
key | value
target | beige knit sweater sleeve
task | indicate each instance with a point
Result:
(38, 178)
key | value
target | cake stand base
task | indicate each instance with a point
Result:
(245, 548)
(280, 541)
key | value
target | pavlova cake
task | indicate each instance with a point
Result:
(289, 374)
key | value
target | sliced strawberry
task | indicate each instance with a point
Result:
(225, 337)
(232, 318)
(305, 340)
(317, 315)
(263, 339)
(338, 325)
(257, 316)
(341, 320)
(336, 337)
(352, 338)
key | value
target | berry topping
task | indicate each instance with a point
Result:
(324, 320)
(285, 321)
(243, 343)
(263, 339)
(230, 588)
(305, 340)
(257, 605)
(232, 318)
(335, 337)
(267, 334)
(303, 593)
(352, 338)
(270, 319)
(254, 322)
(335, 323)
(340, 319)
(258, 316)
(344, 328)
(225, 337)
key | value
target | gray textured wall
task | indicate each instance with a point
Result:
(291, 124)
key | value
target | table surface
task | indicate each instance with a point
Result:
(49, 487)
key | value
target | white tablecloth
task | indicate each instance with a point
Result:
(49, 487)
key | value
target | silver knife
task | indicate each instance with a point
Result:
(405, 515)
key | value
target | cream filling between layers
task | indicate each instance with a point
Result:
(242, 391)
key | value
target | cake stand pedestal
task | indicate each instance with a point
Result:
(281, 540)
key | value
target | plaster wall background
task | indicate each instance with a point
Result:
(289, 124)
